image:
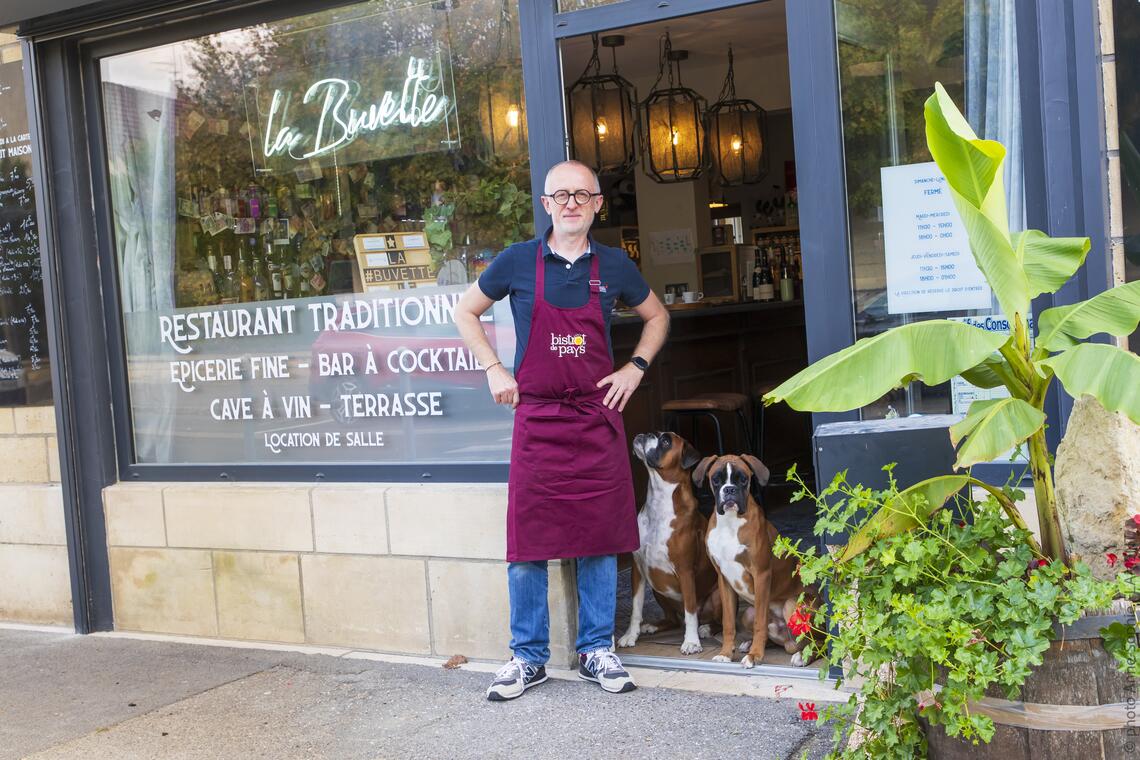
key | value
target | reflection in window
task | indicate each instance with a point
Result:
(1126, 25)
(324, 170)
(25, 373)
(890, 56)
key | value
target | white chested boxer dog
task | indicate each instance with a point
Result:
(740, 541)
(672, 556)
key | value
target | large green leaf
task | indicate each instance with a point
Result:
(993, 372)
(932, 351)
(1116, 312)
(1108, 373)
(1048, 262)
(972, 168)
(970, 165)
(992, 427)
(903, 511)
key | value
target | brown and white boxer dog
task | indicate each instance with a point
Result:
(740, 541)
(672, 557)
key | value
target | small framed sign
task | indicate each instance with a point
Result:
(393, 260)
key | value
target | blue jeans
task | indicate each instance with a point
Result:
(530, 608)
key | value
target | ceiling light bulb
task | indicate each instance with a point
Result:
(737, 144)
(676, 137)
(512, 116)
(601, 128)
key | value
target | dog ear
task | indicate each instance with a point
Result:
(702, 470)
(760, 475)
(689, 455)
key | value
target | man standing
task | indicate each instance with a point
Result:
(570, 490)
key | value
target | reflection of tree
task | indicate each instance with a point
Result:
(892, 49)
(482, 194)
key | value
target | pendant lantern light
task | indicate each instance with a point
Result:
(502, 113)
(602, 109)
(737, 130)
(673, 131)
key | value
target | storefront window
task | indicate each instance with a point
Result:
(1126, 24)
(577, 5)
(910, 259)
(25, 375)
(297, 207)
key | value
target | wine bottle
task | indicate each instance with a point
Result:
(787, 287)
(766, 291)
(231, 287)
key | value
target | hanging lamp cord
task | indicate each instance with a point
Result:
(728, 89)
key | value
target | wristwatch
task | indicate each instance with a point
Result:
(638, 362)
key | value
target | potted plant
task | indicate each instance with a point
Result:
(934, 608)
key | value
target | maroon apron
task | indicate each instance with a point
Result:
(570, 491)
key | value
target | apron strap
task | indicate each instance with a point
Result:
(595, 279)
(539, 277)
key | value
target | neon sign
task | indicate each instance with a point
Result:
(332, 115)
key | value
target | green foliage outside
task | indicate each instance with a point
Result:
(926, 620)
(1019, 267)
(933, 605)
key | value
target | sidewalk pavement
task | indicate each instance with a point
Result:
(110, 696)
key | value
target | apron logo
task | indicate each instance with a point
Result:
(568, 345)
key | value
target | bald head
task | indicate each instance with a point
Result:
(571, 175)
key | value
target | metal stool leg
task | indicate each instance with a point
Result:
(719, 434)
(746, 434)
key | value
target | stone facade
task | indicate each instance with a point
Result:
(33, 544)
(393, 568)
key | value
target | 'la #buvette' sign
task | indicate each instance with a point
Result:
(388, 109)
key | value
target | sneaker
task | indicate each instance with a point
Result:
(605, 669)
(514, 678)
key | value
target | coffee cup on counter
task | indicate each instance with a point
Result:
(691, 296)
(670, 298)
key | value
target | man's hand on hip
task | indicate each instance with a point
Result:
(622, 385)
(503, 387)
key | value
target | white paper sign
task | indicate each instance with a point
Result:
(929, 264)
(671, 246)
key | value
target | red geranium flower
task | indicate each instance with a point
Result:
(807, 711)
(1111, 559)
(800, 621)
(1131, 562)
(1136, 519)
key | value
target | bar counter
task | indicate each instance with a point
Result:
(737, 348)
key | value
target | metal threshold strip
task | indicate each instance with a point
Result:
(721, 668)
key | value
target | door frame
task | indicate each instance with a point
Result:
(814, 75)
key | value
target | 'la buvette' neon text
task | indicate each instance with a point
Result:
(340, 123)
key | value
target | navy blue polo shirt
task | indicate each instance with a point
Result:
(567, 284)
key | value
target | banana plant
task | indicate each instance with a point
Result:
(1019, 266)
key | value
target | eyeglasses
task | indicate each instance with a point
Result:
(562, 197)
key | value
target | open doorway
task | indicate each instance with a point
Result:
(710, 216)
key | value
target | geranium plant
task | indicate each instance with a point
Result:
(925, 621)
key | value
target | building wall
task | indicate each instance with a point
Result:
(36, 585)
(395, 568)
(1112, 143)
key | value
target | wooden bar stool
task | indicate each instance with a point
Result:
(709, 405)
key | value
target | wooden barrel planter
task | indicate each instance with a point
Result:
(1075, 705)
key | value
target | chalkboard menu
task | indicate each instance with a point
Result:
(25, 377)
